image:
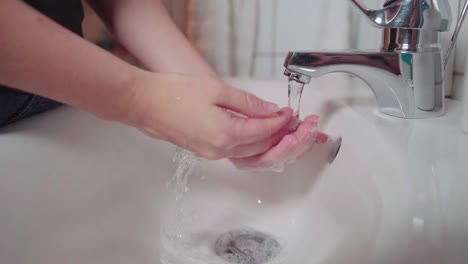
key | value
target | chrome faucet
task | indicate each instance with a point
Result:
(407, 73)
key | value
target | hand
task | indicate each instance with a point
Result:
(204, 115)
(292, 146)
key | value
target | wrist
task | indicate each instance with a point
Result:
(122, 107)
(144, 97)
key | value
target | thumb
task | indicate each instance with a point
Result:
(245, 103)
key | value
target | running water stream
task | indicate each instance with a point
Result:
(176, 239)
(295, 95)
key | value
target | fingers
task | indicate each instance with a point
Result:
(321, 138)
(290, 146)
(251, 130)
(248, 150)
(245, 103)
(312, 119)
(306, 137)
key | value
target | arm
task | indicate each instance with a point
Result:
(39, 56)
(147, 31)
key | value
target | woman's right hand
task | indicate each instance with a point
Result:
(205, 116)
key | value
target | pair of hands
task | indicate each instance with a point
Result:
(217, 121)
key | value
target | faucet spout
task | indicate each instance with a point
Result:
(406, 85)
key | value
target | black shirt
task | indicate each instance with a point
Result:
(16, 105)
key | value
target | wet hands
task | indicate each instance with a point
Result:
(217, 121)
(297, 138)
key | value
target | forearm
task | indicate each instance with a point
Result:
(39, 56)
(147, 31)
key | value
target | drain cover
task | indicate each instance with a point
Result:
(246, 247)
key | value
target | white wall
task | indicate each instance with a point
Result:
(251, 37)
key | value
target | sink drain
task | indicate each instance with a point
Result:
(246, 247)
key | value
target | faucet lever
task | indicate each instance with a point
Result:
(431, 15)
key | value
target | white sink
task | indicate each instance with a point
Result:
(75, 189)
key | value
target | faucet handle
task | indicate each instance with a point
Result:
(434, 15)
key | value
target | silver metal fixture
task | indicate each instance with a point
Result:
(455, 33)
(407, 73)
(247, 247)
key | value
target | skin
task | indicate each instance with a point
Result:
(179, 98)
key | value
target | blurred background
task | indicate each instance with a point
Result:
(250, 38)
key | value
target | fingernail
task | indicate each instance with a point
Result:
(283, 111)
(321, 138)
(315, 118)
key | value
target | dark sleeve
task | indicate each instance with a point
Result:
(16, 105)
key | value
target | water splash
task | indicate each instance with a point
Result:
(179, 244)
(175, 237)
(187, 162)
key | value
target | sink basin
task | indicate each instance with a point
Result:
(75, 189)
